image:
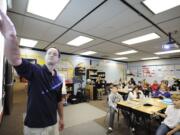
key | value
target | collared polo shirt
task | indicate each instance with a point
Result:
(44, 94)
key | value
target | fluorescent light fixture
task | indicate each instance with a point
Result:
(158, 6)
(47, 8)
(126, 52)
(28, 42)
(120, 58)
(167, 52)
(79, 41)
(140, 39)
(150, 58)
(88, 53)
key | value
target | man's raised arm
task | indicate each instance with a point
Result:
(12, 51)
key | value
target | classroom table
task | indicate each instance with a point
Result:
(136, 107)
(175, 92)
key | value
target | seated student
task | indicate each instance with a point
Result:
(154, 86)
(135, 94)
(113, 98)
(163, 92)
(171, 124)
(145, 88)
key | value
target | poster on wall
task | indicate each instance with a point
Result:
(148, 71)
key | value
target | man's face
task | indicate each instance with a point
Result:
(52, 56)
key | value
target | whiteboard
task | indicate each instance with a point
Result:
(156, 72)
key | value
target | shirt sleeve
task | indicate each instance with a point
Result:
(25, 69)
(168, 110)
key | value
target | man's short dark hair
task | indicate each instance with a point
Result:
(59, 53)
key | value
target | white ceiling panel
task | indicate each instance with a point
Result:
(34, 28)
(53, 32)
(110, 10)
(151, 48)
(63, 48)
(75, 10)
(98, 54)
(112, 25)
(112, 21)
(139, 25)
(171, 26)
(70, 35)
(140, 33)
(19, 6)
(18, 21)
(167, 15)
(177, 38)
(157, 18)
(41, 44)
(108, 47)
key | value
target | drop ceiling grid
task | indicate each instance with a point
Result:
(75, 11)
(108, 47)
(106, 12)
(70, 35)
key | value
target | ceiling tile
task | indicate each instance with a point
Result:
(70, 35)
(108, 47)
(75, 10)
(18, 21)
(108, 11)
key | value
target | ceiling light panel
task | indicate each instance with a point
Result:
(150, 58)
(79, 41)
(126, 52)
(141, 39)
(120, 58)
(27, 42)
(158, 6)
(167, 52)
(88, 53)
(47, 8)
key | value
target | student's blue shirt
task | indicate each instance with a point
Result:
(44, 93)
(160, 93)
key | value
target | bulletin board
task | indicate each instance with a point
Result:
(156, 72)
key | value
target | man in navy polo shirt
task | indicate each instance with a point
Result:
(45, 85)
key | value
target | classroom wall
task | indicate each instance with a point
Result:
(156, 69)
(114, 70)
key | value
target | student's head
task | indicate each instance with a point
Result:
(135, 89)
(155, 82)
(164, 87)
(176, 100)
(114, 88)
(52, 56)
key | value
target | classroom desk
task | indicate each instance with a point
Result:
(137, 109)
(175, 92)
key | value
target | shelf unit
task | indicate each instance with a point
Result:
(92, 74)
(102, 76)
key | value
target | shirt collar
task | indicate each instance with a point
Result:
(47, 70)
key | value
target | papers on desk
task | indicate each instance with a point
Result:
(133, 104)
(167, 101)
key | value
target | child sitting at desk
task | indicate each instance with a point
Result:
(163, 92)
(135, 94)
(113, 98)
(171, 123)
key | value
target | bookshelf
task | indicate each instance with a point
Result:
(92, 74)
